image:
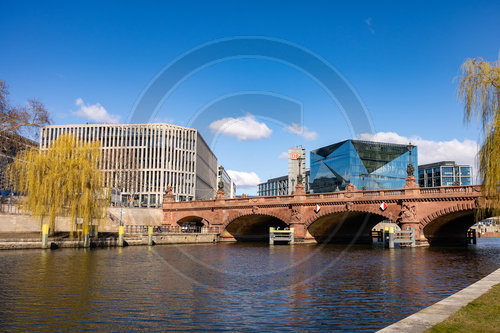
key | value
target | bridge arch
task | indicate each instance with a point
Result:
(253, 226)
(449, 225)
(342, 225)
(200, 221)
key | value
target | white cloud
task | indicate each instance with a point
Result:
(244, 128)
(302, 131)
(95, 112)
(462, 152)
(368, 22)
(283, 156)
(244, 179)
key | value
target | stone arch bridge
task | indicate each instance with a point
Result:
(438, 215)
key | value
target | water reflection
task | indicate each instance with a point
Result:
(231, 286)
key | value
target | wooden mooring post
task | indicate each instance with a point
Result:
(471, 236)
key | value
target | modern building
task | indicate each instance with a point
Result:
(279, 186)
(445, 173)
(229, 186)
(365, 164)
(141, 160)
(296, 167)
(10, 145)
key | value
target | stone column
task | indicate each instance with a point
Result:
(296, 214)
(408, 219)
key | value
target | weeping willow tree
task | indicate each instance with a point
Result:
(479, 89)
(62, 180)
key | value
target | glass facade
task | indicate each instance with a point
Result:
(367, 165)
(446, 173)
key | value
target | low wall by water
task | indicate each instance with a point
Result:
(489, 235)
(160, 239)
(185, 238)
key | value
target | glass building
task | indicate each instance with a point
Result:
(365, 164)
(445, 173)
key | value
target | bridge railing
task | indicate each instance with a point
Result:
(428, 191)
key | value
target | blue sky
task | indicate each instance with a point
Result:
(402, 59)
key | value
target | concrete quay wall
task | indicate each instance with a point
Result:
(185, 238)
(35, 243)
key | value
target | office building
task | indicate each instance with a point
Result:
(279, 186)
(365, 164)
(445, 173)
(140, 161)
(296, 167)
(229, 186)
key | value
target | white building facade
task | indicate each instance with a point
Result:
(229, 186)
(296, 167)
(140, 161)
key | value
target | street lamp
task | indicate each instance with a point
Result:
(410, 169)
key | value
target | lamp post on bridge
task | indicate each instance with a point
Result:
(410, 169)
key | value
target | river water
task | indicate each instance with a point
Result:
(231, 287)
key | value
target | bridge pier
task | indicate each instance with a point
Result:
(299, 232)
(420, 238)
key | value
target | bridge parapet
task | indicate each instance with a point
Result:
(424, 193)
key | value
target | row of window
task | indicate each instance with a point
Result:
(444, 181)
(150, 181)
(111, 136)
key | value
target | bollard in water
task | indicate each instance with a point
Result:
(150, 236)
(271, 236)
(120, 235)
(86, 236)
(45, 235)
(391, 237)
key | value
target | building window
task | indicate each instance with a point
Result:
(464, 171)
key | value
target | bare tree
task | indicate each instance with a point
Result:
(17, 121)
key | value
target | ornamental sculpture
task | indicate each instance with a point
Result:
(295, 215)
(408, 213)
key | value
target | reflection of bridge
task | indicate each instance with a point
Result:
(438, 214)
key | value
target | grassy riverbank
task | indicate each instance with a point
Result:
(480, 315)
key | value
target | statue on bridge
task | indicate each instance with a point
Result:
(295, 216)
(408, 213)
(169, 194)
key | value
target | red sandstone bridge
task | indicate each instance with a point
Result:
(438, 214)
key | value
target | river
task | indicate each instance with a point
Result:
(231, 287)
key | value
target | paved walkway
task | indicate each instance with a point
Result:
(434, 314)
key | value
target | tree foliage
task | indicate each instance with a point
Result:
(62, 180)
(479, 89)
